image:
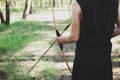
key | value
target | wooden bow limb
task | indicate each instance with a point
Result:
(58, 34)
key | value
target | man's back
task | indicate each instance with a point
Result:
(98, 20)
(93, 50)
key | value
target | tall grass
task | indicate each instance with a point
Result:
(14, 38)
(50, 73)
(13, 72)
(19, 34)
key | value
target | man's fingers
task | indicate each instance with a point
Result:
(59, 40)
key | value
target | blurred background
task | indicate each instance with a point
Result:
(26, 32)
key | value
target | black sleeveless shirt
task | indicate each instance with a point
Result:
(97, 24)
(93, 49)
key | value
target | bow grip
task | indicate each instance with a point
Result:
(58, 35)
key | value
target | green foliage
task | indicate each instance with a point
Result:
(3, 27)
(39, 9)
(118, 41)
(19, 34)
(50, 73)
(15, 10)
(116, 58)
(67, 21)
(10, 42)
(12, 72)
(13, 38)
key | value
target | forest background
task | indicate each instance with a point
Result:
(26, 32)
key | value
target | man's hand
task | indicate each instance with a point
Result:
(60, 40)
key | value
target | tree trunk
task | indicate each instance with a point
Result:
(54, 3)
(57, 3)
(49, 2)
(7, 12)
(41, 3)
(28, 8)
(70, 2)
(31, 8)
(62, 3)
(13, 3)
(2, 17)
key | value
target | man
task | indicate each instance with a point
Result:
(93, 26)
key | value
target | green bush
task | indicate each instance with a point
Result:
(50, 73)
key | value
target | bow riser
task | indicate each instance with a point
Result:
(58, 35)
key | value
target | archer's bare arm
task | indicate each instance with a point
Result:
(75, 30)
(117, 27)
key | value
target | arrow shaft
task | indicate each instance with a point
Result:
(46, 51)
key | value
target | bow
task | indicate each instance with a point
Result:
(61, 46)
(58, 35)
